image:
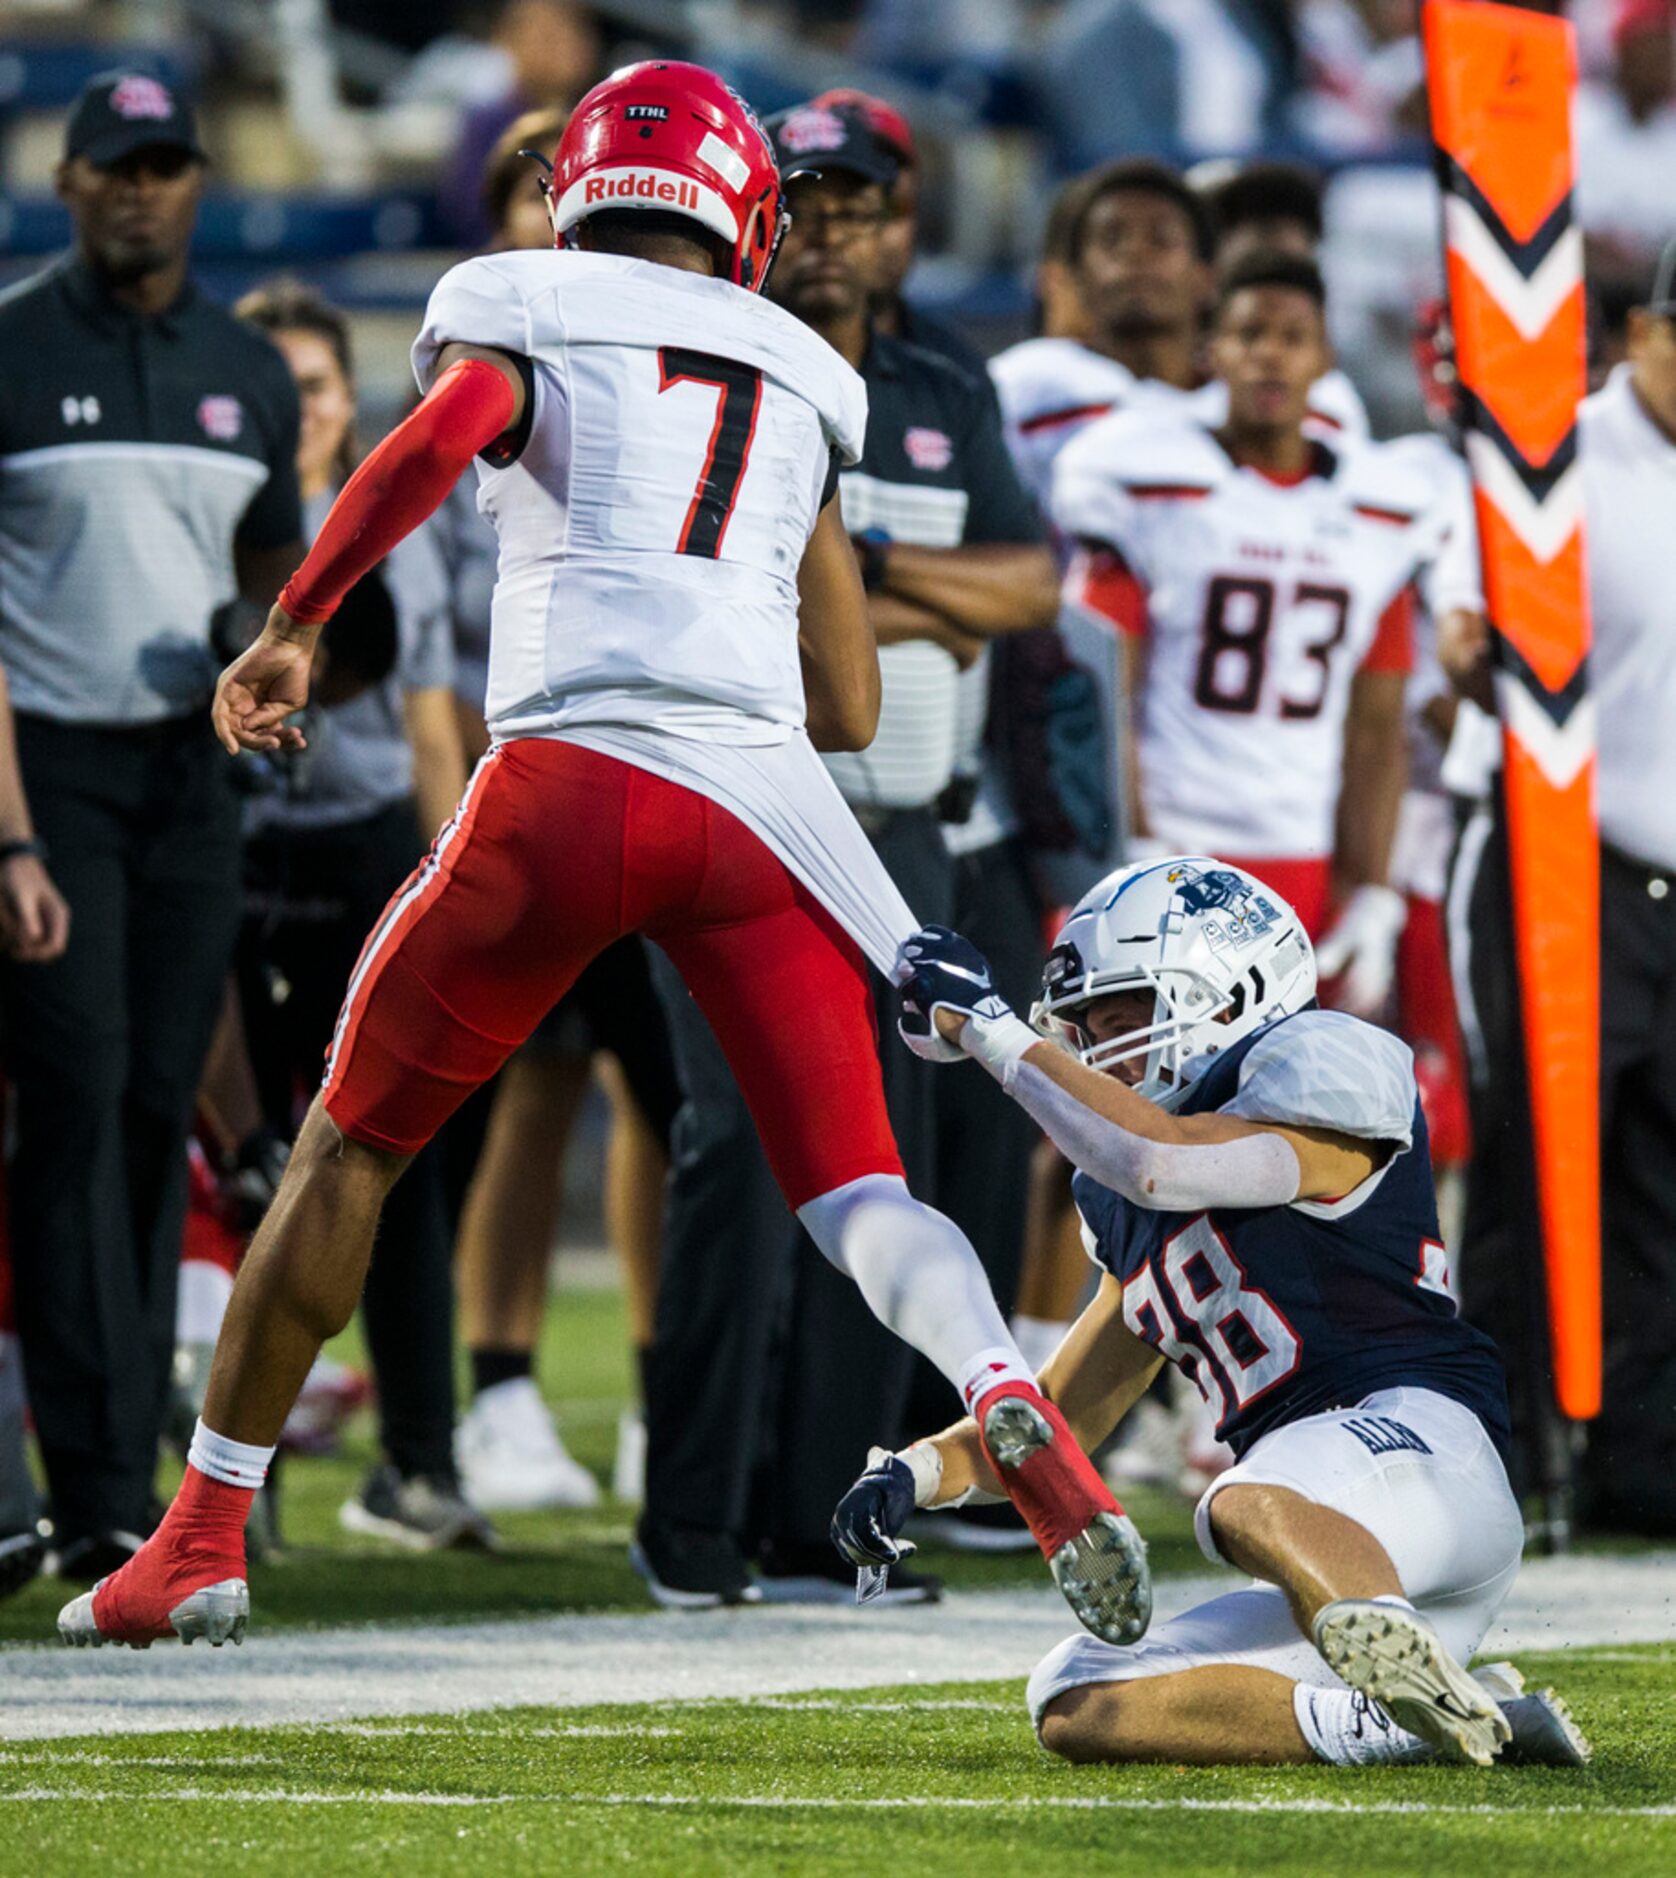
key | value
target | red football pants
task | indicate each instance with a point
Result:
(554, 853)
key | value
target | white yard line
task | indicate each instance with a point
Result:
(775, 1802)
(360, 1674)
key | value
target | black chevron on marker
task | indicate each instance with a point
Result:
(1556, 705)
(1525, 256)
(1539, 479)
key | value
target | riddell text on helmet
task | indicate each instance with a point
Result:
(651, 186)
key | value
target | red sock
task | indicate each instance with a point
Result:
(211, 1511)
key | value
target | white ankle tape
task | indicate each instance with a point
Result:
(233, 1463)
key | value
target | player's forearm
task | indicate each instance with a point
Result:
(897, 621)
(1375, 776)
(15, 821)
(982, 590)
(1169, 1168)
(835, 643)
(402, 483)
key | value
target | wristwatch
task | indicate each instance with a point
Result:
(11, 850)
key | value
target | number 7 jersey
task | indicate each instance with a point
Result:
(1259, 602)
(680, 439)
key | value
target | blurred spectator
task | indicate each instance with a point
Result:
(893, 312)
(1167, 76)
(947, 544)
(1137, 246)
(1275, 208)
(1363, 80)
(343, 824)
(149, 477)
(1626, 143)
(553, 55)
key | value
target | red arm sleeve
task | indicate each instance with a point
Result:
(399, 484)
(1101, 580)
(1393, 643)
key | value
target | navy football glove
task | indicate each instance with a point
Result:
(939, 970)
(867, 1525)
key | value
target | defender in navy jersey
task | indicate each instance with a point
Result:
(1255, 1187)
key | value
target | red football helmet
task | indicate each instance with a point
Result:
(673, 138)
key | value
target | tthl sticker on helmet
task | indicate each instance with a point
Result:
(728, 164)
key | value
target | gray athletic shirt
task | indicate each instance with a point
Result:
(359, 760)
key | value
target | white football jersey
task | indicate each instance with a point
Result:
(1262, 601)
(1050, 389)
(682, 434)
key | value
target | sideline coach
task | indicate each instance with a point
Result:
(147, 477)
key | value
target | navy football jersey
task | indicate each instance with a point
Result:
(1281, 1312)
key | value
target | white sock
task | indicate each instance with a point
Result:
(234, 1463)
(1348, 1730)
(920, 1277)
(1037, 1337)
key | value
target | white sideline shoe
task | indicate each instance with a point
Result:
(1544, 1734)
(1394, 1657)
(510, 1457)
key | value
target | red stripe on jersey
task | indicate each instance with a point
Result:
(1102, 582)
(1398, 518)
(1317, 416)
(1166, 492)
(1072, 414)
(1393, 640)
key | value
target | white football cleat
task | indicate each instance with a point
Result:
(510, 1457)
(218, 1613)
(1544, 1734)
(1394, 1657)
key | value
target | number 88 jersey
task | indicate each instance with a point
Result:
(1259, 602)
(1279, 1312)
(680, 439)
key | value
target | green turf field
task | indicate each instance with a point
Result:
(894, 1780)
(569, 1561)
(891, 1781)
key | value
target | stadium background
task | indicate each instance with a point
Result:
(333, 126)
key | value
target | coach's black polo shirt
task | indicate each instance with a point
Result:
(936, 474)
(134, 451)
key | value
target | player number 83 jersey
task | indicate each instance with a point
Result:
(1259, 603)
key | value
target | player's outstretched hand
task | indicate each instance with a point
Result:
(867, 1526)
(945, 981)
(265, 685)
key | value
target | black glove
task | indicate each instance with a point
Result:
(871, 1515)
(940, 970)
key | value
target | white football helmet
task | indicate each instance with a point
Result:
(1222, 955)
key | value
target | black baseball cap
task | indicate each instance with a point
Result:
(819, 138)
(121, 112)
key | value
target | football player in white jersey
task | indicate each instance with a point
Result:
(1254, 1189)
(678, 622)
(1137, 246)
(1262, 579)
(1269, 208)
